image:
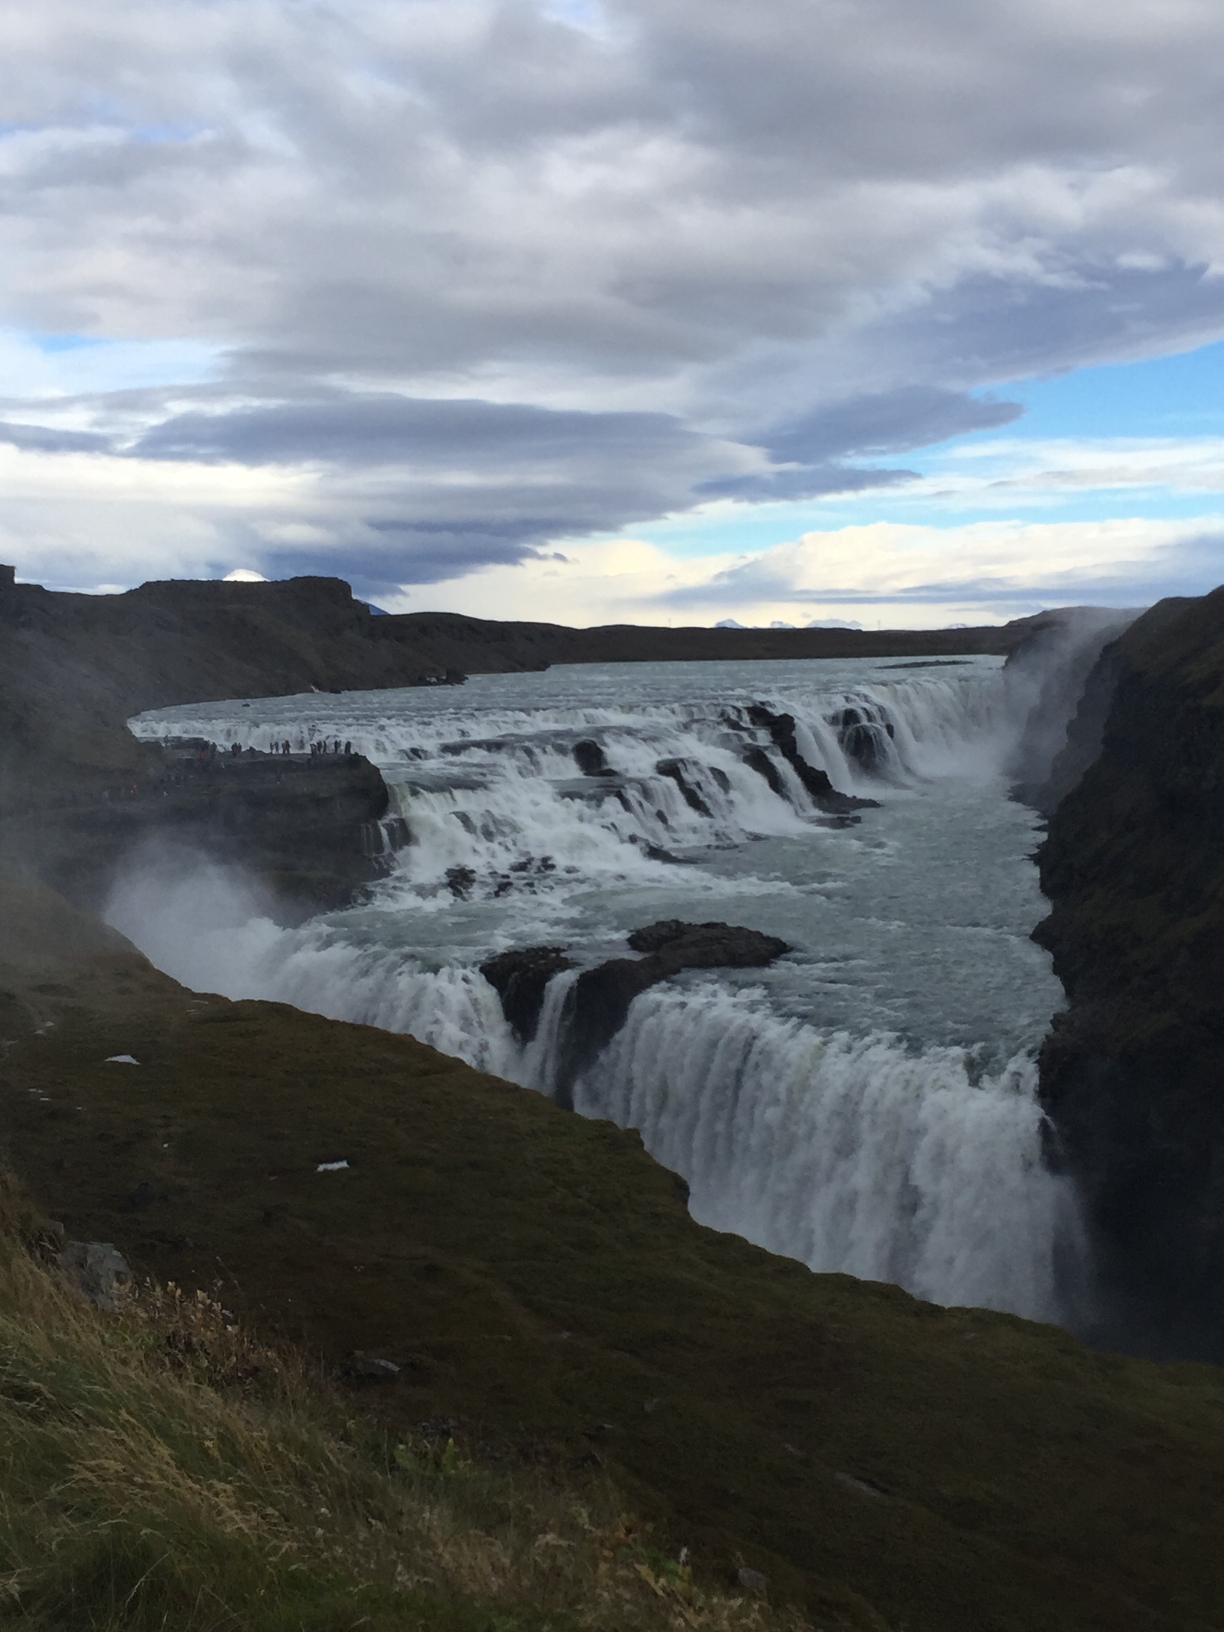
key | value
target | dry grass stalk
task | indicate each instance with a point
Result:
(160, 1468)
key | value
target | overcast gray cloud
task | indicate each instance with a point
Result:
(49, 439)
(807, 448)
(387, 429)
(507, 272)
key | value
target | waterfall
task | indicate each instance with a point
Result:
(851, 1154)
(559, 807)
(498, 794)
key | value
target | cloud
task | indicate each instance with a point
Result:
(49, 439)
(803, 482)
(991, 564)
(492, 274)
(865, 576)
(885, 422)
(386, 429)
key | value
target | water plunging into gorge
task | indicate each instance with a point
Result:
(867, 1102)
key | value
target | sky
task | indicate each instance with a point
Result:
(651, 311)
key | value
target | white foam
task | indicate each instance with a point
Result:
(852, 1154)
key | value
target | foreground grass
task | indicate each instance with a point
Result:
(158, 1469)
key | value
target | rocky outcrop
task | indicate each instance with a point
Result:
(823, 794)
(599, 999)
(591, 759)
(98, 1271)
(309, 828)
(520, 979)
(1132, 1074)
(684, 773)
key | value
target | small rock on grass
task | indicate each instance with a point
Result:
(99, 1270)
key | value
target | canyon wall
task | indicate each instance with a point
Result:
(1133, 1072)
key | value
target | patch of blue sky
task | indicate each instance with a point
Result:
(1180, 395)
(50, 344)
(114, 114)
(584, 14)
(67, 364)
(164, 135)
(993, 474)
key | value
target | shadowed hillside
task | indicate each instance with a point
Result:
(1132, 1072)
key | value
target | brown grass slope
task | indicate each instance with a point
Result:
(161, 1469)
(536, 1277)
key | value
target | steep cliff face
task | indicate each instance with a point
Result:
(308, 830)
(1133, 1073)
(73, 668)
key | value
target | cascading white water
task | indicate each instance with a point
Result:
(850, 1153)
(868, 1103)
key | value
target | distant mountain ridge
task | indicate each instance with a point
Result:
(74, 668)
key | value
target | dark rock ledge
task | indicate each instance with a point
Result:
(824, 795)
(311, 830)
(599, 1001)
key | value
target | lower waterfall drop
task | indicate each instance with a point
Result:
(851, 1154)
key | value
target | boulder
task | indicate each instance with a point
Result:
(591, 759)
(98, 1270)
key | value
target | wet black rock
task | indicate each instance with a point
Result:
(759, 761)
(862, 738)
(708, 946)
(600, 998)
(459, 881)
(682, 773)
(591, 759)
(824, 795)
(520, 979)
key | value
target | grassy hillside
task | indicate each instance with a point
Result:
(540, 1286)
(160, 1469)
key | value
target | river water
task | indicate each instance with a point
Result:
(867, 1103)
